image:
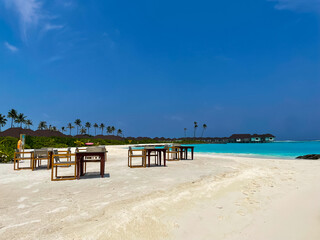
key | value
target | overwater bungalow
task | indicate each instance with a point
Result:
(254, 138)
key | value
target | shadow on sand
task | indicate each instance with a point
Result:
(93, 175)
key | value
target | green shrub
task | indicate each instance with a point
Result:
(7, 147)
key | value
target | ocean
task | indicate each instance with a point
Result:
(282, 149)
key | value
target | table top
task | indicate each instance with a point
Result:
(142, 146)
(90, 153)
(155, 149)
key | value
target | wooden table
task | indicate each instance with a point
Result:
(80, 160)
(159, 152)
(184, 149)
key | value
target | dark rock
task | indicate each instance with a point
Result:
(309, 156)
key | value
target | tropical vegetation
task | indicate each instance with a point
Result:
(195, 129)
(3, 121)
(77, 122)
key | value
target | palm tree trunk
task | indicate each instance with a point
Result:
(202, 132)
(11, 122)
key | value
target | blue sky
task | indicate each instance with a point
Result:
(152, 68)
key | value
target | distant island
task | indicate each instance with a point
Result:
(235, 138)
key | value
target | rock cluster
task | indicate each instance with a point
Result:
(309, 156)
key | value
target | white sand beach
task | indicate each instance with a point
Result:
(211, 197)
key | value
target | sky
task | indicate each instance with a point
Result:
(152, 68)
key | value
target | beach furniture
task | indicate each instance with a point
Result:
(22, 156)
(136, 153)
(158, 151)
(62, 159)
(173, 153)
(67, 152)
(39, 156)
(153, 153)
(184, 152)
(89, 155)
(88, 159)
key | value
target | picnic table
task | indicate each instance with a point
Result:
(159, 152)
(81, 159)
(184, 152)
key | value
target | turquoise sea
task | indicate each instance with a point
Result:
(284, 149)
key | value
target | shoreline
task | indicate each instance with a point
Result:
(248, 155)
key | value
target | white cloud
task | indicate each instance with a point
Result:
(31, 15)
(49, 26)
(67, 4)
(29, 12)
(11, 47)
(298, 5)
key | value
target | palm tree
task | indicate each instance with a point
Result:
(70, 127)
(109, 130)
(88, 126)
(185, 132)
(29, 123)
(113, 129)
(78, 123)
(119, 132)
(54, 128)
(83, 131)
(95, 128)
(20, 119)
(195, 129)
(102, 127)
(204, 126)
(13, 115)
(3, 121)
(42, 125)
(63, 129)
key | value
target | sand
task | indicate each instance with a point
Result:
(211, 197)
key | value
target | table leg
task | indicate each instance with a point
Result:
(102, 166)
(149, 153)
(81, 166)
(192, 153)
(164, 158)
(50, 160)
(78, 167)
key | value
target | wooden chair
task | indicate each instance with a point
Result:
(57, 158)
(39, 155)
(131, 154)
(21, 156)
(67, 152)
(174, 152)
